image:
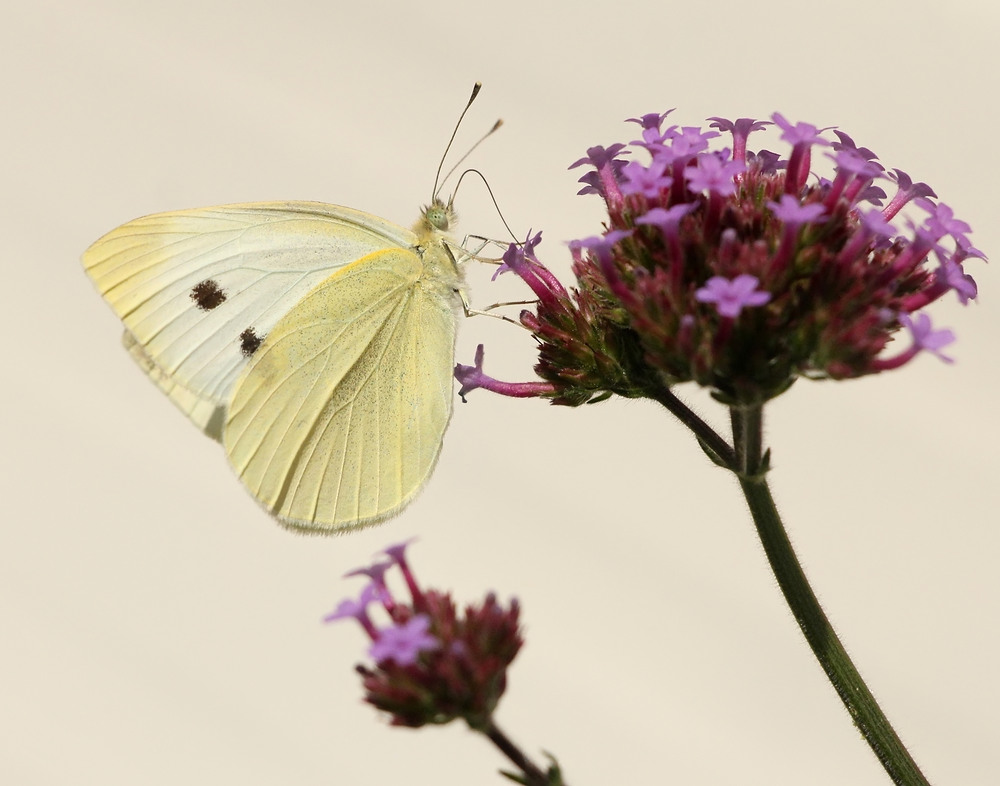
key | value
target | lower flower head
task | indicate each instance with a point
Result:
(434, 664)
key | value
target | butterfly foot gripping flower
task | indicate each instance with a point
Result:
(433, 663)
(739, 270)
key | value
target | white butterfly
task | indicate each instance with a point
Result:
(316, 342)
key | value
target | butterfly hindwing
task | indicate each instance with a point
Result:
(338, 419)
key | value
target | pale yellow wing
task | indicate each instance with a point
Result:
(206, 414)
(198, 289)
(337, 422)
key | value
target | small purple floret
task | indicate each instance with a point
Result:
(649, 181)
(926, 338)
(714, 174)
(600, 246)
(666, 219)
(473, 377)
(599, 156)
(732, 296)
(790, 211)
(356, 609)
(650, 120)
(402, 644)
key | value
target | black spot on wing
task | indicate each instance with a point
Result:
(249, 341)
(207, 295)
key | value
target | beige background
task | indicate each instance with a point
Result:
(157, 628)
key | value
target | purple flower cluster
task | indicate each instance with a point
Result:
(432, 664)
(738, 270)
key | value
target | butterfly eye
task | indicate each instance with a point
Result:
(438, 216)
(207, 295)
(250, 342)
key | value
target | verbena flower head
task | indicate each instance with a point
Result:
(739, 271)
(433, 664)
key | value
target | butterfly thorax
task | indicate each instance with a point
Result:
(441, 271)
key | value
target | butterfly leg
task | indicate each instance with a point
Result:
(472, 312)
(482, 242)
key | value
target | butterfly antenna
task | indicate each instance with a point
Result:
(490, 190)
(475, 92)
(481, 139)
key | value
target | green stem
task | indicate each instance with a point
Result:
(533, 774)
(705, 433)
(860, 704)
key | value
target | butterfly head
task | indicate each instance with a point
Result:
(437, 217)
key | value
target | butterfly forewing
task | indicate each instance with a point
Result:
(199, 289)
(205, 413)
(338, 419)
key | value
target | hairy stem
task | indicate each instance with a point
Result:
(533, 774)
(819, 633)
(705, 433)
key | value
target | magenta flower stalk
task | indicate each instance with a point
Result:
(743, 272)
